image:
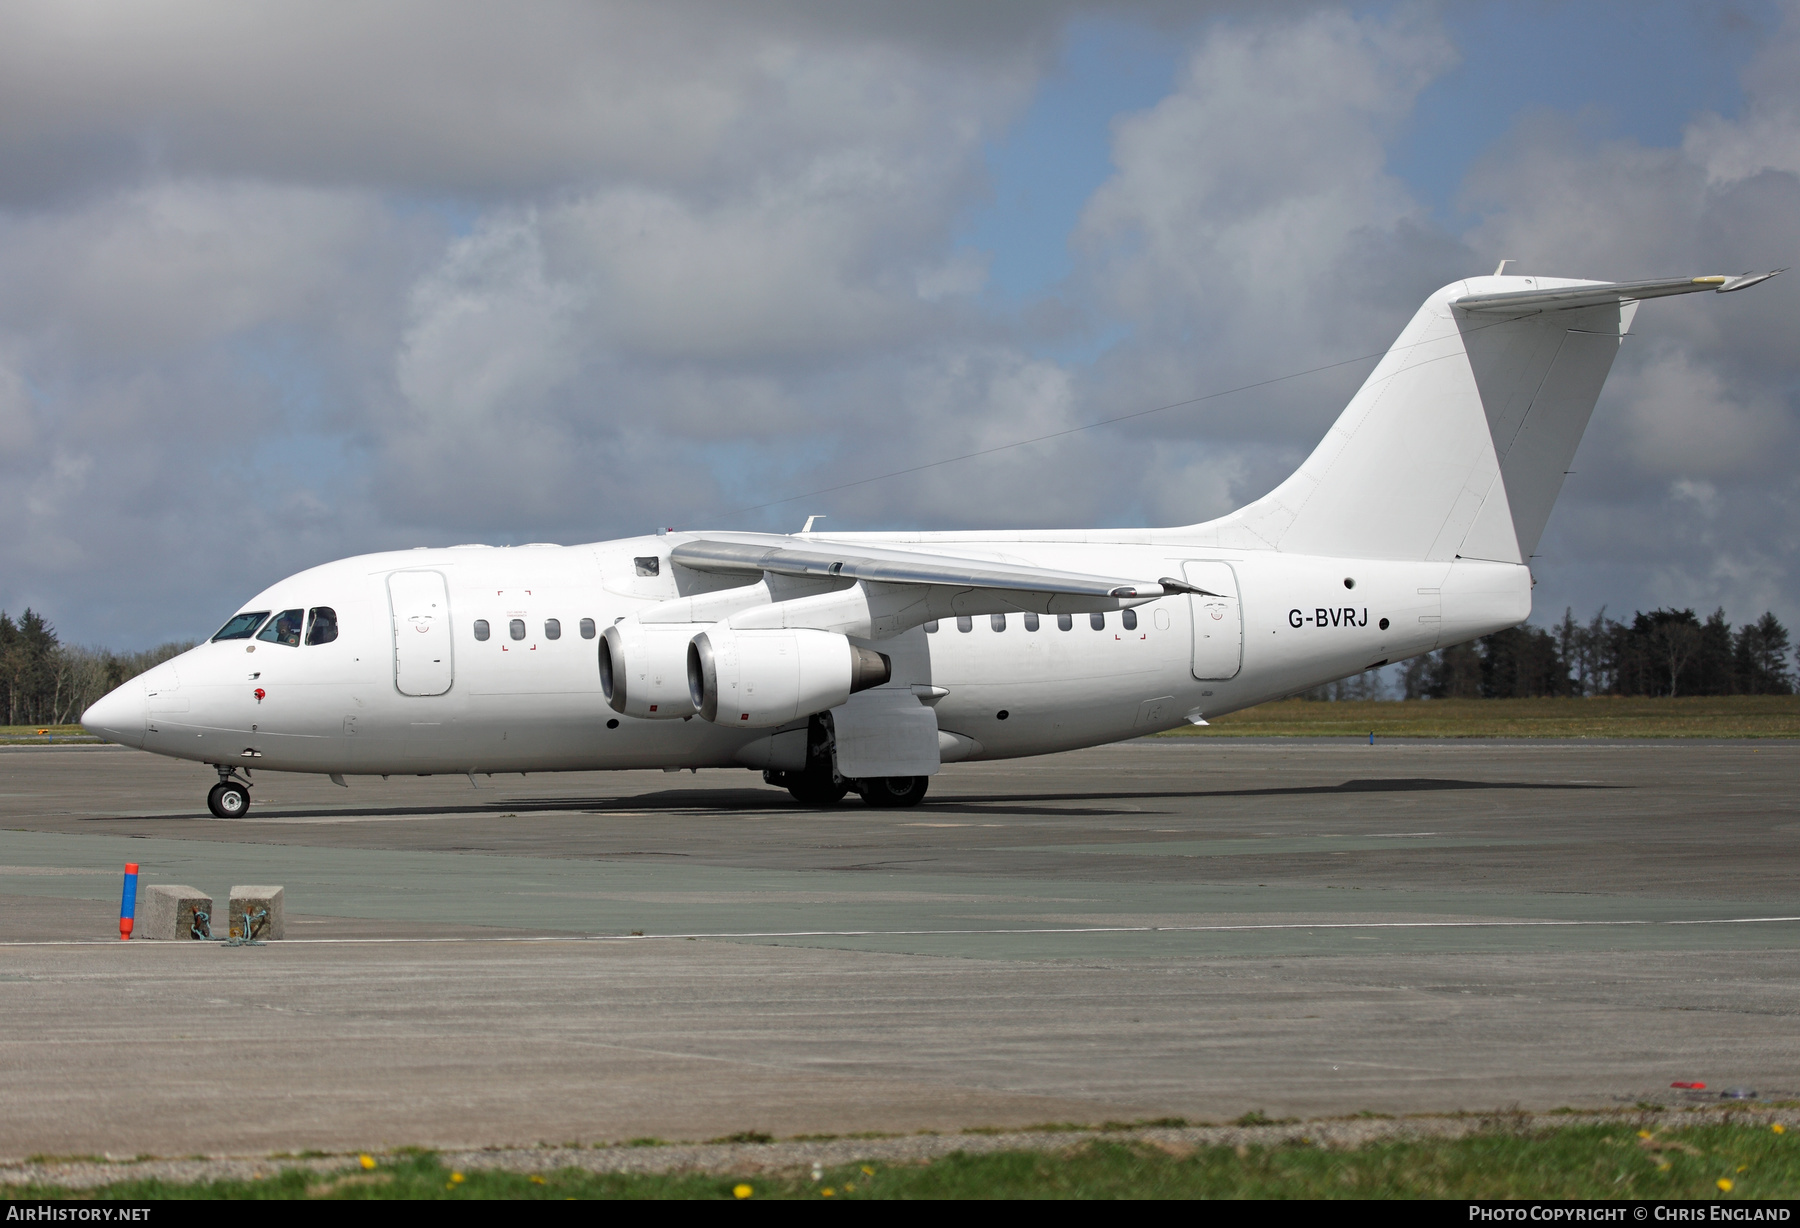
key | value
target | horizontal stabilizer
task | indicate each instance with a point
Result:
(753, 554)
(1598, 294)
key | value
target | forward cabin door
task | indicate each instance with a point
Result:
(1218, 621)
(421, 603)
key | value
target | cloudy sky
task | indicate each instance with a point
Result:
(282, 283)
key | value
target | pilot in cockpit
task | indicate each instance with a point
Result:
(286, 629)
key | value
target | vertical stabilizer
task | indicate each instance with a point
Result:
(1457, 444)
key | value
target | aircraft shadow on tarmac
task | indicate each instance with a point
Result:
(727, 801)
(985, 805)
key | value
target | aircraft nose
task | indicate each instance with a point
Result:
(118, 716)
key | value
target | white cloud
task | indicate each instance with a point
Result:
(1252, 228)
(293, 283)
(799, 269)
(488, 333)
(965, 272)
(16, 427)
(1684, 418)
(278, 285)
(1248, 182)
(475, 98)
(139, 275)
(1703, 495)
(1766, 137)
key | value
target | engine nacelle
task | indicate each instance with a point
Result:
(758, 679)
(643, 669)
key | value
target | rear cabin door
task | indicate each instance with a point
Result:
(421, 603)
(1218, 621)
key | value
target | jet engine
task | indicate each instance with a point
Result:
(759, 679)
(643, 669)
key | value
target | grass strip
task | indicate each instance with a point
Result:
(12, 734)
(1713, 1161)
(1704, 716)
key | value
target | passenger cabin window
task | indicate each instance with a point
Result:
(997, 621)
(321, 625)
(242, 626)
(284, 628)
(1065, 622)
(965, 623)
(516, 628)
(552, 629)
(1031, 622)
(1129, 617)
(931, 627)
(481, 629)
(1097, 621)
(587, 628)
(648, 565)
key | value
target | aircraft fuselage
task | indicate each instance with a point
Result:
(524, 700)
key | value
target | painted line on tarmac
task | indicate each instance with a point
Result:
(1086, 929)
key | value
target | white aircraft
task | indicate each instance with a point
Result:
(832, 662)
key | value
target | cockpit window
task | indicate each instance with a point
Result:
(284, 628)
(242, 626)
(321, 625)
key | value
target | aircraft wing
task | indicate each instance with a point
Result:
(1595, 294)
(755, 553)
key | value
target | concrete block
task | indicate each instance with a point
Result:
(167, 912)
(250, 901)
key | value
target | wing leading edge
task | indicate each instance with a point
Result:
(754, 554)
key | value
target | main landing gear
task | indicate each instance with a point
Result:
(893, 792)
(811, 788)
(880, 792)
(230, 798)
(820, 785)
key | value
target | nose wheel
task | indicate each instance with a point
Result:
(230, 798)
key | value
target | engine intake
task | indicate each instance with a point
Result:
(643, 670)
(759, 679)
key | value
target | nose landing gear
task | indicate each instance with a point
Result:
(230, 798)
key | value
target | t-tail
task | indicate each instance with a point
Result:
(1457, 444)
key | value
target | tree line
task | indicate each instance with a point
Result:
(46, 682)
(1663, 652)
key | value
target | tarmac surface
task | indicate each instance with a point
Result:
(1190, 928)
